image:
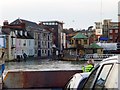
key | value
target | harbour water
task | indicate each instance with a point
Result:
(45, 65)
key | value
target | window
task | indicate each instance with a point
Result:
(16, 32)
(116, 31)
(103, 76)
(35, 51)
(85, 41)
(29, 43)
(48, 37)
(91, 78)
(48, 45)
(43, 51)
(45, 43)
(19, 42)
(44, 35)
(111, 37)
(111, 31)
(72, 41)
(24, 43)
(21, 33)
(94, 50)
(25, 33)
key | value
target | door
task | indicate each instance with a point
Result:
(39, 53)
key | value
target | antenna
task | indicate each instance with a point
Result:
(101, 14)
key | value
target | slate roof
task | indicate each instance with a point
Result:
(29, 24)
(79, 36)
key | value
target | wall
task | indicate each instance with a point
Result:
(38, 79)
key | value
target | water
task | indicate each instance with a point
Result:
(45, 65)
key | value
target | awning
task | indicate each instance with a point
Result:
(103, 39)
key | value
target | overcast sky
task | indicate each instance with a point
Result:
(78, 14)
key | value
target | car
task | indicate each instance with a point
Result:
(77, 81)
(105, 76)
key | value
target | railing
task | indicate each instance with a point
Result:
(97, 56)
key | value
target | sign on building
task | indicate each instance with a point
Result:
(98, 32)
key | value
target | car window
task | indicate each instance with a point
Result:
(103, 76)
(90, 79)
(112, 79)
(81, 83)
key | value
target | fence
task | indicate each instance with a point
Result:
(97, 56)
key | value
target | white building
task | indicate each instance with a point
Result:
(27, 37)
(24, 43)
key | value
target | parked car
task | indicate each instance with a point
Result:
(104, 76)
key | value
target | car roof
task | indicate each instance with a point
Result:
(112, 59)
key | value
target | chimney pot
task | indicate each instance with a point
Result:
(5, 22)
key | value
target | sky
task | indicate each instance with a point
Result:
(77, 14)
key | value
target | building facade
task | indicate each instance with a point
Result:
(45, 43)
(27, 37)
(113, 32)
(57, 28)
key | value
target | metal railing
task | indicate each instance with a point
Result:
(97, 56)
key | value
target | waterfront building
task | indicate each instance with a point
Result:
(18, 41)
(94, 49)
(105, 27)
(42, 36)
(10, 40)
(79, 42)
(27, 37)
(45, 43)
(57, 28)
(63, 40)
(98, 30)
(69, 34)
(108, 31)
(24, 43)
(2, 46)
(113, 32)
(33, 29)
(90, 33)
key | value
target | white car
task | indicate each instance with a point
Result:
(105, 76)
(76, 81)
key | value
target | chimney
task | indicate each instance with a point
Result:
(5, 22)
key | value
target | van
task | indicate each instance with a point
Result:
(105, 76)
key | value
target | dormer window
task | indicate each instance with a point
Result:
(16, 32)
(21, 33)
(25, 33)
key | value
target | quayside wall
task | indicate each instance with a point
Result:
(37, 79)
